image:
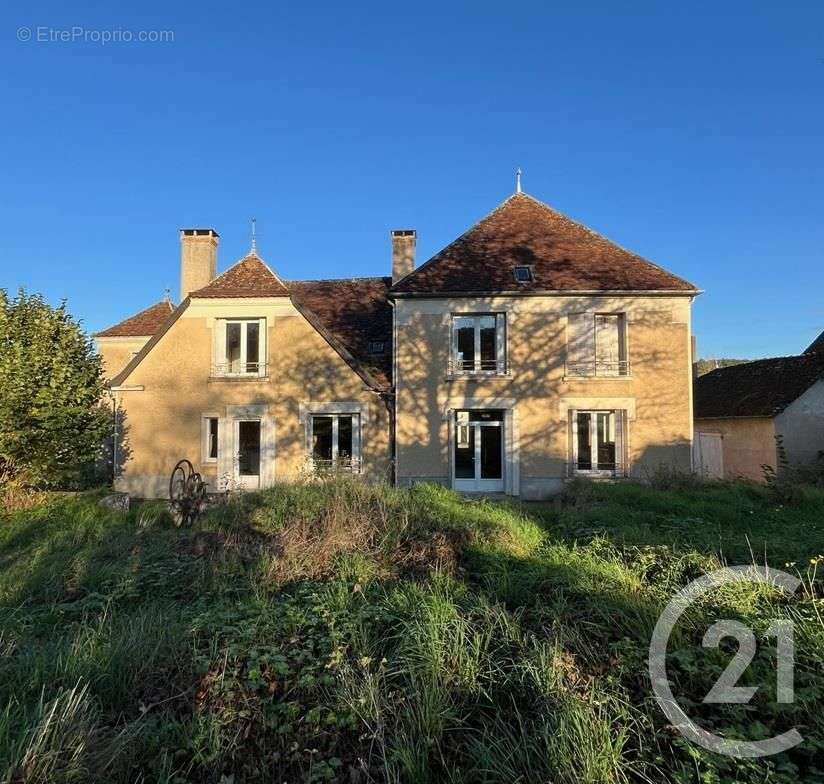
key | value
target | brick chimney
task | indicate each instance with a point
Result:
(403, 252)
(198, 259)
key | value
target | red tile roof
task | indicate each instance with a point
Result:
(249, 277)
(764, 387)
(356, 313)
(564, 256)
(142, 324)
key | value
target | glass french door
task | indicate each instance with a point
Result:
(478, 451)
(247, 453)
(597, 442)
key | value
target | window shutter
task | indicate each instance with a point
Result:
(220, 345)
(580, 344)
(620, 443)
(263, 349)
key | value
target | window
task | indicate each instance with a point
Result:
(597, 344)
(335, 442)
(377, 346)
(210, 439)
(610, 355)
(597, 442)
(523, 274)
(240, 348)
(478, 344)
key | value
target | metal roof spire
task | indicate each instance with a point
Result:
(518, 173)
(253, 251)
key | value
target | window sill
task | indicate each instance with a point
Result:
(478, 376)
(236, 379)
(568, 378)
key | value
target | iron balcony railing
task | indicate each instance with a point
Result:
(477, 367)
(606, 469)
(238, 369)
(343, 465)
(598, 368)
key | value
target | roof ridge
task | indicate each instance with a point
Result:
(763, 359)
(342, 280)
(457, 239)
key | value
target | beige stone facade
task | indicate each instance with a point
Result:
(537, 392)
(117, 352)
(528, 351)
(173, 389)
(747, 444)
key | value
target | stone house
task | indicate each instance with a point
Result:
(529, 350)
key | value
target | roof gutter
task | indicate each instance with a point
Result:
(547, 293)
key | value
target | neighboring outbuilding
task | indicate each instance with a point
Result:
(741, 410)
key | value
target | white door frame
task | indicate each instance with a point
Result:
(478, 484)
(512, 463)
(248, 481)
(227, 449)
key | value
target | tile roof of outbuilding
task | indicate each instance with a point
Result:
(764, 387)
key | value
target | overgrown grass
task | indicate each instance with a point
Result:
(337, 632)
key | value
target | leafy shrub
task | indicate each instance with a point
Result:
(16, 492)
(51, 384)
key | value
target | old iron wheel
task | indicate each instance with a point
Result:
(179, 501)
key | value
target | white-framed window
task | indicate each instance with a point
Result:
(597, 344)
(240, 347)
(335, 442)
(598, 440)
(478, 344)
(210, 438)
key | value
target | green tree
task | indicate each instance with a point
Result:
(52, 423)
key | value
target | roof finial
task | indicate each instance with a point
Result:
(518, 173)
(254, 238)
(167, 296)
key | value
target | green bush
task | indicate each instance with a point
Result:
(52, 425)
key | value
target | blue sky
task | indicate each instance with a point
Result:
(691, 133)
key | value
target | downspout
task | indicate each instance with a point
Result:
(115, 434)
(393, 407)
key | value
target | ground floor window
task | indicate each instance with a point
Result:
(210, 439)
(597, 442)
(335, 442)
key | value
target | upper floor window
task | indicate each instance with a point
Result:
(479, 343)
(597, 344)
(240, 347)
